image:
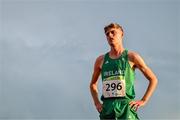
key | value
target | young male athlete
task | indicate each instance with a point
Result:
(117, 69)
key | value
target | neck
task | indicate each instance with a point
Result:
(116, 50)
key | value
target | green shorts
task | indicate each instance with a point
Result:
(117, 109)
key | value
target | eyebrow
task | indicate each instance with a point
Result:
(109, 31)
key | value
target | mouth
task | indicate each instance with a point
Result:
(111, 39)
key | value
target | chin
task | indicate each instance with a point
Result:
(112, 44)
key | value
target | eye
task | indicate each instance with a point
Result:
(113, 32)
(107, 34)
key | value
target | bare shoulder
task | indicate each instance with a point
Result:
(132, 55)
(99, 61)
(135, 58)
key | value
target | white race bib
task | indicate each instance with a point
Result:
(114, 88)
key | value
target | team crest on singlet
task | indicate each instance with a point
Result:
(114, 86)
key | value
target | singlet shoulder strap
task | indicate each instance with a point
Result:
(105, 57)
(124, 59)
(125, 54)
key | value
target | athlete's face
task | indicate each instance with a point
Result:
(114, 36)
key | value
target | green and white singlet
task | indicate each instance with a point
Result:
(118, 88)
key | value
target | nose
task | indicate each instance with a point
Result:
(110, 35)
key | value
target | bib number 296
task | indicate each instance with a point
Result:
(113, 86)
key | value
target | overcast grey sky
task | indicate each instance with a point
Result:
(48, 48)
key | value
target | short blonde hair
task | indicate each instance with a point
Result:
(113, 25)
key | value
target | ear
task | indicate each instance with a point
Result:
(122, 34)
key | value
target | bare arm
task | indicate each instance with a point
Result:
(94, 82)
(140, 64)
